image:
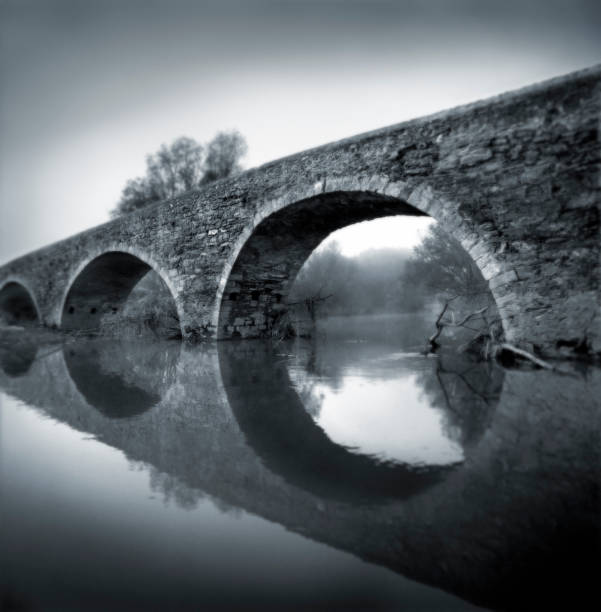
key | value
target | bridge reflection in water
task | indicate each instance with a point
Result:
(511, 521)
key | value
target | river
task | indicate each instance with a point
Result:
(347, 472)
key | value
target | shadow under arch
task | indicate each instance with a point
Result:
(266, 259)
(101, 287)
(122, 379)
(279, 429)
(17, 305)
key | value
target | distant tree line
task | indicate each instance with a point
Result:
(366, 284)
(183, 165)
(392, 280)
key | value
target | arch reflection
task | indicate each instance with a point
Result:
(16, 359)
(526, 499)
(122, 379)
(406, 408)
(280, 429)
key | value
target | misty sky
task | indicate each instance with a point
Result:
(88, 88)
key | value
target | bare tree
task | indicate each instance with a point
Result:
(175, 169)
(442, 268)
(223, 156)
(326, 274)
(182, 166)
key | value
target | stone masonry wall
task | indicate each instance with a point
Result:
(515, 178)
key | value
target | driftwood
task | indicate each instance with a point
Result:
(505, 346)
(541, 363)
(497, 347)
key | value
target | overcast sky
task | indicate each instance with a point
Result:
(88, 88)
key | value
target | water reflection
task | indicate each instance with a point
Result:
(396, 406)
(284, 424)
(122, 379)
(16, 362)
(510, 522)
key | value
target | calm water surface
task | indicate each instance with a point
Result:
(308, 475)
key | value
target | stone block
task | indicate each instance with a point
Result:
(504, 278)
(474, 156)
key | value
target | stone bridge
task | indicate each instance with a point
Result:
(514, 178)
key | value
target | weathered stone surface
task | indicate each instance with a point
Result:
(515, 178)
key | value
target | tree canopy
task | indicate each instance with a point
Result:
(181, 166)
(223, 156)
(365, 284)
(443, 267)
(392, 280)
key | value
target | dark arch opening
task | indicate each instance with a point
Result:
(17, 306)
(259, 283)
(98, 298)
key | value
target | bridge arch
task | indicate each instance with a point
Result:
(18, 305)
(268, 254)
(101, 283)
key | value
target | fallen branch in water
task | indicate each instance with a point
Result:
(541, 363)
(526, 355)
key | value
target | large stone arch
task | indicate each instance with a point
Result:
(101, 283)
(18, 304)
(284, 231)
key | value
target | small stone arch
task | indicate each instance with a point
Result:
(351, 200)
(18, 305)
(101, 283)
(113, 378)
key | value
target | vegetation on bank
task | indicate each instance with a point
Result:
(149, 311)
(438, 279)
